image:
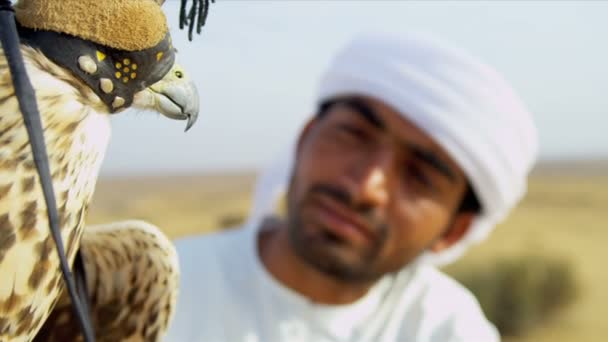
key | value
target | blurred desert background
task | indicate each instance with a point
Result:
(563, 220)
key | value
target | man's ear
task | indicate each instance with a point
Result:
(458, 228)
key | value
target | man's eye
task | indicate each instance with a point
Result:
(419, 177)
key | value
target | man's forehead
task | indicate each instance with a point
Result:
(387, 116)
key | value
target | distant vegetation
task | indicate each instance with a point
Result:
(518, 293)
(231, 220)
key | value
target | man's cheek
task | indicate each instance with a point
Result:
(400, 248)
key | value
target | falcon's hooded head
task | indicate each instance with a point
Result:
(121, 49)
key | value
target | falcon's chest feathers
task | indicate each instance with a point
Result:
(76, 136)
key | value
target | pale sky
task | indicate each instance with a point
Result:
(256, 65)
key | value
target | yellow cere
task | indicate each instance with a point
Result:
(118, 74)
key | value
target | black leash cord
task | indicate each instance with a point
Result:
(31, 117)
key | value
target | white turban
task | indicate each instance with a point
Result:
(462, 103)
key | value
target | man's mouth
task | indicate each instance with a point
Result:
(341, 222)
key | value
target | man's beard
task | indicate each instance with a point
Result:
(329, 253)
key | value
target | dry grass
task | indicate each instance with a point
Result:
(564, 215)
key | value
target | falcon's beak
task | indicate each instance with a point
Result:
(176, 96)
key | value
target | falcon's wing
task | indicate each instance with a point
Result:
(132, 279)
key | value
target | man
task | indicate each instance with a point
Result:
(417, 150)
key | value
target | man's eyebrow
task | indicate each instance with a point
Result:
(433, 160)
(366, 112)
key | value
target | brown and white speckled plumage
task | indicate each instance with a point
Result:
(76, 135)
(76, 128)
(132, 277)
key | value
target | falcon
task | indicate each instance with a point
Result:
(87, 60)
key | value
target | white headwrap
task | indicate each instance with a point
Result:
(462, 103)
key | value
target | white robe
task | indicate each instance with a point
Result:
(226, 294)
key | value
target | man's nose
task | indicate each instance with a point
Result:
(370, 180)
